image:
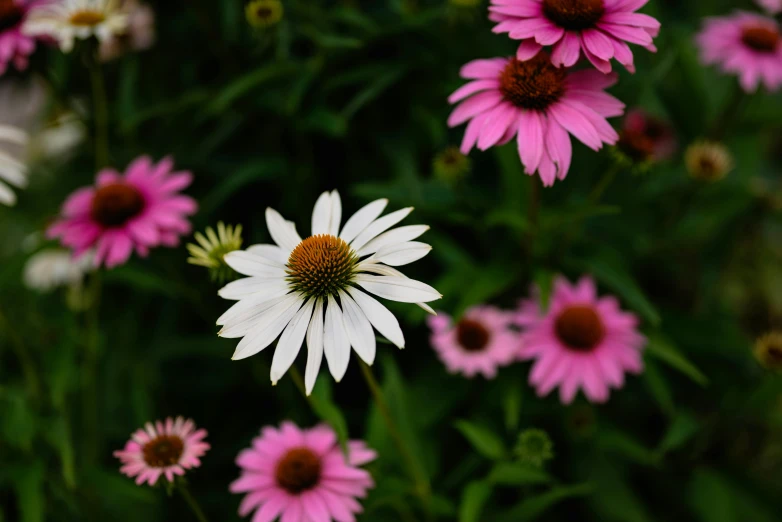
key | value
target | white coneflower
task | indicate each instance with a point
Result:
(12, 170)
(294, 282)
(212, 248)
(55, 268)
(67, 20)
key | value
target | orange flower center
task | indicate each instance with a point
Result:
(163, 451)
(10, 14)
(760, 38)
(87, 18)
(114, 204)
(299, 470)
(579, 327)
(321, 266)
(534, 84)
(472, 335)
(574, 15)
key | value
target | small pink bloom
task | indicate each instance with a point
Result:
(300, 475)
(644, 137)
(745, 44)
(600, 29)
(539, 105)
(139, 210)
(480, 342)
(772, 6)
(583, 341)
(139, 35)
(166, 448)
(15, 47)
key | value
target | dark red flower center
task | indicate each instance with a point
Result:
(760, 38)
(163, 451)
(472, 335)
(10, 14)
(579, 327)
(299, 470)
(534, 84)
(114, 204)
(638, 146)
(574, 15)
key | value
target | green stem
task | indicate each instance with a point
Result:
(299, 382)
(423, 488)
(191, 502)
(90, 394)
(608, 177)
(25, 360)
(100, 112)
(534, 213)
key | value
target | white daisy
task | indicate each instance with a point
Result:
(54, 268)
(293, 283)
(13, 172)
(67, 20)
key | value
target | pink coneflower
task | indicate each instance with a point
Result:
(165, 448)
(300, 475)
(772, 6)
(539, 104)
(644, 137)
(480, 342)
(139, 210)
(15, 47)
(582, 342)
(745, 44)
(601, 29)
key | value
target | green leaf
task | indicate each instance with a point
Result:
(252, 172)
(250, 81)
(28, 485)
(711, 498)
(486, 442)
(484, 285)
(18, 420)
(658, 386)
(59, 436)
(535, 505)
(682, 429)
(659, 347)
(618, 442)
(374, 89)
(512, 474)
(324, 407)
(474, 498)
(511, 403)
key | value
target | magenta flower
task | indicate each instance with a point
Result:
(139, 210)
(165, 448)
(299, 475)
(601, 29)
(539, 104)
(772, 6)
(583, 341)
(745, 44)
(15, 47)
(480, 342)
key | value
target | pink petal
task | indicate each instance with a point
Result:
(567, 51)
(530, 139)
(528, 49)
(480, 103)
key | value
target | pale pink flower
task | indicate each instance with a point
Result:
(582, 341)
(480, 342)
(601, 29)
(139, 210)
(745, 44)
(539, 105)
(15, 47)
(302, 475)
(166, 448)
(772, 6)
(139, 35)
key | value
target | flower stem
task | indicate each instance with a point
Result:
(25, 360)
(423, 488)
(191, 502)
(299, 382)
(534, 213)
(90, 371)
(608, 177)
(100, 112)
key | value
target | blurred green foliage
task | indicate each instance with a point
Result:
(352, 95)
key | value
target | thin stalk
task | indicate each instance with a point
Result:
(25, 360)
(608, 178)
(423, 488)
(100, 112)
(299, 382)
(533, 213)
(90, 415)
(191, 502)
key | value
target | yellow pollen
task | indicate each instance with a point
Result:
(87, 18)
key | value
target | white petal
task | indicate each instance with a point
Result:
(14, 135)
(268, 327)
(426, 308)
(392, 237)
(380, 316)
(7, 196)
(398, 288)
(401, 253)
(281, 231)
(248, 286)
(270, 252)
(251, 264)
(361, 219)
(290, 342)
(359, 329)
(335, 341)
(336, 213)
(379, 226)
(248, 307)
(321, 214)
(376, 268)
(244, 323)
(314, 347)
